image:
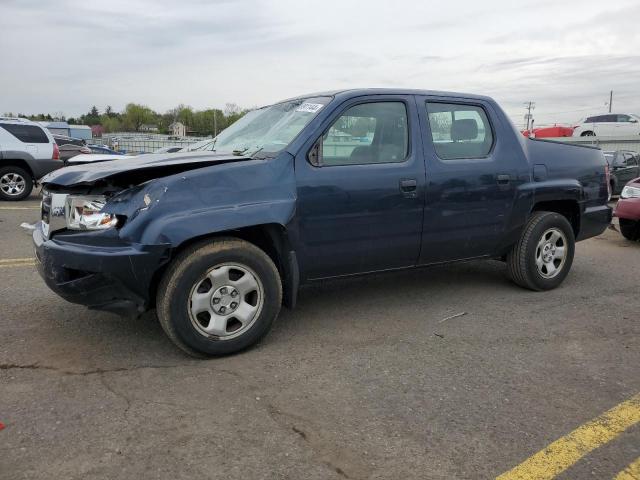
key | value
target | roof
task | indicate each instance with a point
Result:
(16, 120)
(356, 92)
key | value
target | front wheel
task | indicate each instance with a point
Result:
(630, 229)
(219, 297)
(15, 183)
(542, 258)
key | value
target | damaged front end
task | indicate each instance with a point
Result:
(82, 251)
(108, 230)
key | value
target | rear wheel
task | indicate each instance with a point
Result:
(542, 258)
(15, 183)
(630, 229)
(219, 297)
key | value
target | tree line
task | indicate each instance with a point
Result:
(136, 118)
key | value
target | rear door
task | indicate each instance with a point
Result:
(607, 125)
(472, 174)
(361, 189)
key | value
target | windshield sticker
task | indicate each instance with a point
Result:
(309, 107)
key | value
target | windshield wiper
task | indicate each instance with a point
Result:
(243, 151)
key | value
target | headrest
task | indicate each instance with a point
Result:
(465, 129)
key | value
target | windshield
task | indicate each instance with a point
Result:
(268, 129)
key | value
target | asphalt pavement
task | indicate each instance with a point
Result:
(379, 377)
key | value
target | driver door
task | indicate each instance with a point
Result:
(361, 189)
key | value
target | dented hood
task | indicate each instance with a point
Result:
(137, 169)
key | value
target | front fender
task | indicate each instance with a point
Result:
(209, 200)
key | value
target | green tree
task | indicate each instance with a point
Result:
(135, 116)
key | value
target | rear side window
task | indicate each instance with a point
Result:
(26, 133)
(374, 132)
(459, 131)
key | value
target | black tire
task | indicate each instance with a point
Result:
(630, 229)
(185, 272)
(23, 174)
(521, 260)
(588, 133)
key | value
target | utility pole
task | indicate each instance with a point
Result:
(528, 116)
(610, 100)
(215, 123)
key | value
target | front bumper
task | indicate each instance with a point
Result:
(99, 270)
(628, 208)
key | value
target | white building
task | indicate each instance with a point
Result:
(178, 129)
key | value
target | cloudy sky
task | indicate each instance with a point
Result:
(66, 55)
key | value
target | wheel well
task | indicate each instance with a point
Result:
(566, 208)
(270, 238)
(587, 133)
(16, 163)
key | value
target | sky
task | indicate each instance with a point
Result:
(64, 56)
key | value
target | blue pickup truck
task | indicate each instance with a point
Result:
(319, 186)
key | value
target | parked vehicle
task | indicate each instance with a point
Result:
(70, 147)
(628, 210)
(27, 152)
(170, 149)
(624, 166)
(100, 149)
(316, 187)
(609, 125)
(549, 132)
(96, 158)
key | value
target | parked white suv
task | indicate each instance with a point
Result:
(27, 153)
(608, 125)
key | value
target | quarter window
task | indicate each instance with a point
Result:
(367, 133)
(26, 133)
(459, 131)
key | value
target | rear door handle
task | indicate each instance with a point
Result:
(409, 187)
(503, 179)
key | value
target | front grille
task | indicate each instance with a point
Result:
(52, 210)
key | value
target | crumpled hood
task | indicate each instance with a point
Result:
(141, 167)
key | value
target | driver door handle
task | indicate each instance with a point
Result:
(409, 187)
(503, 179)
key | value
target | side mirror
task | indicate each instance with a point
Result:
(314, 157)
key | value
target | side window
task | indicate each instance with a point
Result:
(630, 160)
(623, 118)
(609, 118)
(459, 131)
(367, 133)
(26, 133)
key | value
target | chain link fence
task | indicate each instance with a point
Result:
(134, 143)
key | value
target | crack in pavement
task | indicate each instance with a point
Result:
(283, 419)
(325, 456)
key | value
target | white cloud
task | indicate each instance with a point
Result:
(67, 55)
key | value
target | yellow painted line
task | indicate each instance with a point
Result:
(13, 260)
(13, 265)
(564, 452)
(19, 208)
(632, 472)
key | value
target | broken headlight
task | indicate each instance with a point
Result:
(84, 212)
